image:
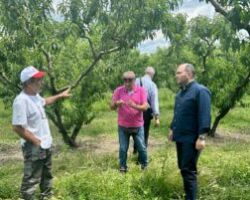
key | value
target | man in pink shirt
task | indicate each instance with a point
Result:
(130, 101)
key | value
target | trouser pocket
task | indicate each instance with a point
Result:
(33, 152)
(38, 153)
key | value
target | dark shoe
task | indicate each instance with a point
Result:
(144, 167)
(137, 162)
(123, 170)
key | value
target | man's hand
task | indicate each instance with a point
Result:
(116, 104)
(170, 136)
(37, 142)
(119, 103)
(200, 144)
(27, 135)
(132, 104)
(157, 122)
(52, 99)
(139, 107)
(65, 93)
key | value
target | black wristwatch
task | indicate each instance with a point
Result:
(202, 137)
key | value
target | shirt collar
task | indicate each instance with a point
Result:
(147, 76)
(185, 87)
(23, 92)
(135, 88)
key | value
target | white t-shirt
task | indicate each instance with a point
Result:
(28, 112)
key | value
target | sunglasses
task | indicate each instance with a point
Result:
(128, 79)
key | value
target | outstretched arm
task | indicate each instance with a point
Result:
(53, 99)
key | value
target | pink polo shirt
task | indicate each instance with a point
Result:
(128, 116)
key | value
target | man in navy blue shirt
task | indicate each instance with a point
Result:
(189, 126)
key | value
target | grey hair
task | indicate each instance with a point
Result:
(190, 68)
(129, 73)
(150, 70)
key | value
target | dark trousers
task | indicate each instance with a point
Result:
(187, 162)
(37, 170)
(147, 117)
(124, 135)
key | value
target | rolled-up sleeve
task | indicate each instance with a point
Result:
(115, 96)
(204, 110)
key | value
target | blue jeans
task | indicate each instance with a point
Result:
(187, 162)
(124, 136)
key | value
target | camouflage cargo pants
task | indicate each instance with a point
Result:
(37, 170)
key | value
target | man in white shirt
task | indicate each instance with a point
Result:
(31, 124)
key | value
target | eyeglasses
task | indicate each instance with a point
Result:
(128, 79)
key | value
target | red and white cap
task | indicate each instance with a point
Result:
(30, 72)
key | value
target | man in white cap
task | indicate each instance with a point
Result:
(152, 97)
(31, 124)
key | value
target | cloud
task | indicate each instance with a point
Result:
(192, 8)
(149, 46)
(56, 2)
(55, 15)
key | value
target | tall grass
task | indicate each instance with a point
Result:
(85, 174)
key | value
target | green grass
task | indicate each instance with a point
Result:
(6, 134)
(237, 120)
(88, 174)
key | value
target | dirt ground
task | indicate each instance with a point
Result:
(107, 145)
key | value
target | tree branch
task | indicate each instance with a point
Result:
(91, 46)
(78, 126)
(110, 51)
(85, 73)
(49, 61)
(52, 117)
(221, 10)
(6, 80)
(76, 130)
(90, 68)
(233, 97)
(50, 66)
(58, 120)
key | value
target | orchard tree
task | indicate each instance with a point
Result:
(237, 13)
(218, 55)
(166, 60)
(71, 49)
(219, 63)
